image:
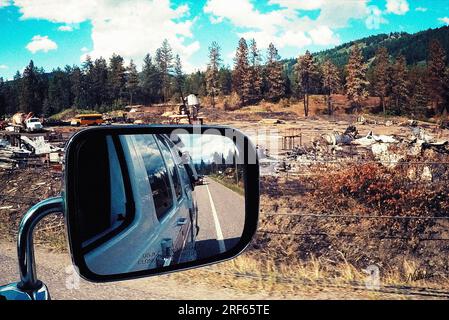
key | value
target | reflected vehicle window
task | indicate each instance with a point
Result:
(157, 174)
(102, 195)
(171, 166)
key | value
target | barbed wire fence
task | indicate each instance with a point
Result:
(352, 285)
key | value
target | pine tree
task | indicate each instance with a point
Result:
(212, 72)
(196, 84)
(132, 81)
(241, 75)
(180, 78)
(164, 63)
(58, 93)
(29, 86)
(274, 73)
(87, 89)
(151, 83)
(99, 83)
(399, 89)
(76, 87)
(225, 80)
(116, 79)
(255, 61)
(356, 83)
(436, 71)
(305, 71)
(380, 75)
(418, 100)
(446, 94)
(331, 82)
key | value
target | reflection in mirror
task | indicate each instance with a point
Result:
(151, 201)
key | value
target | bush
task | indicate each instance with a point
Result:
(284, 103)
(381, 191)
(232, 102)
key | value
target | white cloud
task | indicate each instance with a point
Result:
(323, 35)
(444, 20)
(216, 20)
(285, 25)
(5, 3)
(298, 4)
(399, 7)
(84, 49)
(66, 28)
(130, 28)
(375, 18)
(41, 43)
(3, 67)
(421, 9)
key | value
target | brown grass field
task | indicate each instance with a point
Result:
(322, 226)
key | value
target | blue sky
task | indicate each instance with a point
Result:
(63, 32)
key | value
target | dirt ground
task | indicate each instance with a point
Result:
(310, 248)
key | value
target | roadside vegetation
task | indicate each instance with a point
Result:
(229, 182)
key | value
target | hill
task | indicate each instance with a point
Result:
(413, 46)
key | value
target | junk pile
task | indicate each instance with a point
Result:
(18, 151)
(349, 146)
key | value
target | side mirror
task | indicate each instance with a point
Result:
(142, 201)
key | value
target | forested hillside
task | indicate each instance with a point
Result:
(407, 72)
(412, 46)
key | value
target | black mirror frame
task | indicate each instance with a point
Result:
(251, 199)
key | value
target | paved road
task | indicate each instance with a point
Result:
(221, 218)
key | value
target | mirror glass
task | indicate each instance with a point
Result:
(150, 201)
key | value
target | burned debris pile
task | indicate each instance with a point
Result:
(21, 150)
(347, 198)
(344, 148)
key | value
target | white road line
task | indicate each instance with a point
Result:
(220, 237)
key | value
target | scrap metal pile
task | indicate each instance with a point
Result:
(18, 151)
(337, 148)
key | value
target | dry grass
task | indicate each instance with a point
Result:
(345, 281)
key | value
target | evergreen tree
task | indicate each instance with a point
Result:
(180, 78)
(98, 78)
(380, 75)
(225, 80)
(255, 61)
(445, 110)
(436, 72)
(274, 72)
(87, 89)
(164, 63)
(14, 99)
(196, 84)
(241, 76)
(356, 83)
(29, 90)
(331, 82)
(212, 73)
(132, 81)
(419, 99)
(116, 79)
(399, 89)
(150, 81)
(305, 71)
(76, 81)
(58, 93)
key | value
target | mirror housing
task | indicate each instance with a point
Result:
(248, 162)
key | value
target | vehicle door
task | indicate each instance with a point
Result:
(177, 223)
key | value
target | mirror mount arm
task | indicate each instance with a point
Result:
(25, 247)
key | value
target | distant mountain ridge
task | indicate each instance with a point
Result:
(413, 46)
